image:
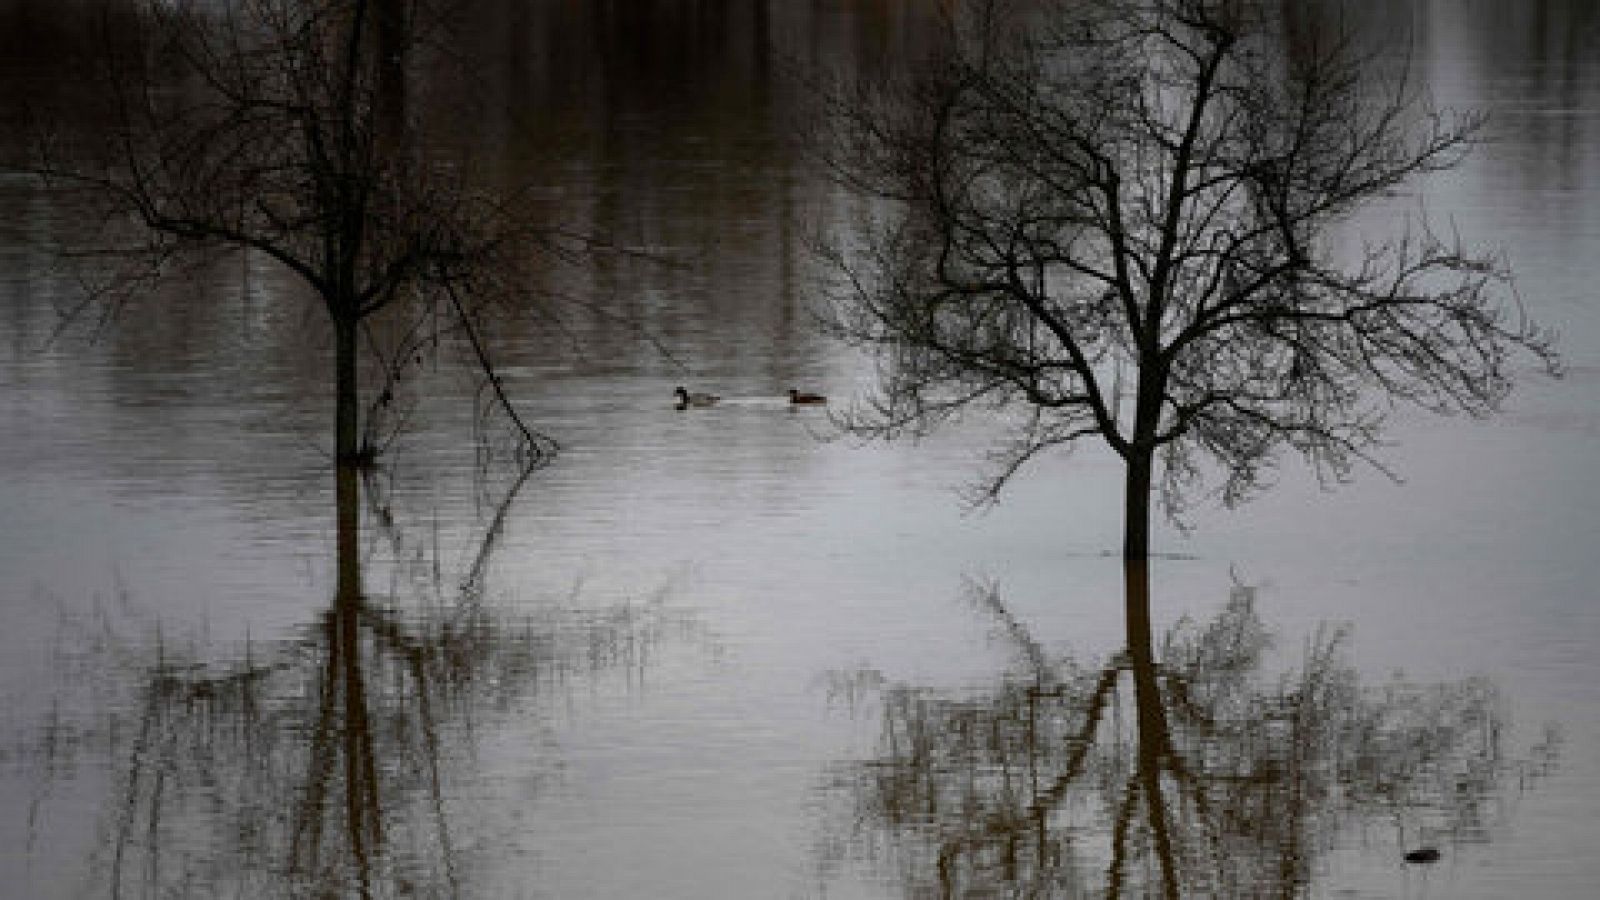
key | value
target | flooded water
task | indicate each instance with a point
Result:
(719, 652)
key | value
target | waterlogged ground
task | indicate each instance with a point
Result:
(716, 653)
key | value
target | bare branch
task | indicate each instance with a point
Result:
(1071, 192)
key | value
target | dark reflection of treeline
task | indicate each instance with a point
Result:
(1175, 771)
(663, 130)
(337, 762)
(667, 126)
(1532, 61)
(624, 107)
(676, 128)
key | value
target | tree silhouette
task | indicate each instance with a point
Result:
(285, 129)
(1127, 220)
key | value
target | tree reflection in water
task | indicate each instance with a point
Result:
(318, 766)
(1218, 781)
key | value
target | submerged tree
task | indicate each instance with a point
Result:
(1122, 218)
(284, 128)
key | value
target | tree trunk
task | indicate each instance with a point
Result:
(1136, 549)
(347, 481)
(1154, 738)
(346, 425)
(346, 455)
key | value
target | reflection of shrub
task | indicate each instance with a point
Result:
(1203, 774)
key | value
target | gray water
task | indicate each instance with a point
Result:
(671, 610)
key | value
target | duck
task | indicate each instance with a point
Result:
(685, 399)
(1427, 854)
(800, 398)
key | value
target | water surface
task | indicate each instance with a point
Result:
(670, 611)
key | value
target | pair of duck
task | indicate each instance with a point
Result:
(687, 399)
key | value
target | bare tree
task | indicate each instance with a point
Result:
(283, 128)
(1124, 218)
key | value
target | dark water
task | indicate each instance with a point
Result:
(709, 654)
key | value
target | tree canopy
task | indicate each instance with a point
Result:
(287, 128)
(1131, 221)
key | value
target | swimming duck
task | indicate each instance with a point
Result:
(803, 399)
(1428, 854)
(686, 399)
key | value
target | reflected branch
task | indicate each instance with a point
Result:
(1227, 781)
(320, 764)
